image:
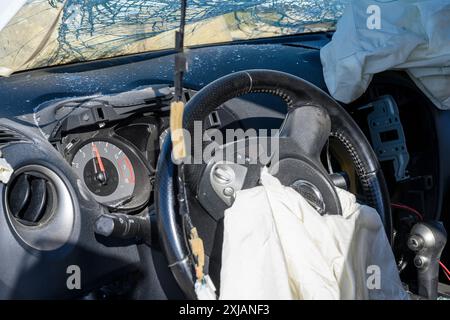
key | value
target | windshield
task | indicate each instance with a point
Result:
(50, 32)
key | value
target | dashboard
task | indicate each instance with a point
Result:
(110, 142)
(80, 164)
(106, 120)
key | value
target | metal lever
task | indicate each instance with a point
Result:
(428, 240)
(124, 226)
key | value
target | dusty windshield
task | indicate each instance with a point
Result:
(50, 32)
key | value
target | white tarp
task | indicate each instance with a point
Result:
(276, 246)
(374, 36)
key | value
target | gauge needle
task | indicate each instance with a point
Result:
(99, 160)
(93, 159)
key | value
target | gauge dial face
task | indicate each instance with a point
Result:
(106, 171)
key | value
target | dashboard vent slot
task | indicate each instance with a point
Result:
(31, 198)
(9, 136)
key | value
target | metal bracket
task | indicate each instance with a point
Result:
(386, 132)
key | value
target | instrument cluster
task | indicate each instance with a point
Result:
(116, 164)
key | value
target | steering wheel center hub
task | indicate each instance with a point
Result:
(311, 193)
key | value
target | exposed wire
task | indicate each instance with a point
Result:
(444, 268)
(407, 208)
(418, 214)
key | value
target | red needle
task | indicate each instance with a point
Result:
(99, 159)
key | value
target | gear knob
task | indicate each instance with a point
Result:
(427, 239)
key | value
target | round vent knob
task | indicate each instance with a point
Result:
(31, 198)
(40, 207)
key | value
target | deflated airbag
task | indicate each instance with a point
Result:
(276, 246)
(372, 37)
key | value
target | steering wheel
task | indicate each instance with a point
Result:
(313, 117)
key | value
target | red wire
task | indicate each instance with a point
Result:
(405, 207)
(446, 272)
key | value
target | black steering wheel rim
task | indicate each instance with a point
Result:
(294, 91)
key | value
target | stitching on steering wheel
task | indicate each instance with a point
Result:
(363, 175)
(286, 98)
(351, 150)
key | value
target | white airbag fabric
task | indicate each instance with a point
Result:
(412, 35)
(276, 246)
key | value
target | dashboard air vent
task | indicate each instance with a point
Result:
(31, 198)
(8, 136)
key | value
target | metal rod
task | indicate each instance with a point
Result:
(180, 59)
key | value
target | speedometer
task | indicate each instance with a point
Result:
(106, 170)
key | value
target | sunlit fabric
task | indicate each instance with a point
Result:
(408, 35)
(276, 246)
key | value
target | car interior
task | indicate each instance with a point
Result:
(92, 183)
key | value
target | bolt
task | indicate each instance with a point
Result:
(419, 262)
(223, 174)
(415, 243)
(228, 191)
